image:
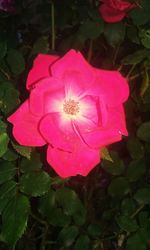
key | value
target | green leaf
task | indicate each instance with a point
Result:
(35, 184)
(22, 150)
(146, 96)
(119, 186)
(135, 242)
(136, 57)
(67, 236)
(15, 61)
(145, 83)
(80, 216)
(48, 207)
(145, 4)
(33, 163)
(14, 219)
(75, 41)
(145, 233)
(114, 167)
(40, 46)
(4, 139)
(7, 193)
(143, 131)
(127, 224)
(91, 29)
(140, 16)
(114, 33)
(3, 127)
(74, 207)
(57, 217)
(128, 206)
(145, 38)
(47, 202)
(82, 242)
(7, 90)
(105, 155)
(64, 195)
(143, 219)
(135, 148)
(94, 230)
(7, 171)
(135, 170)
(10, 155)
(3, 49)
(143, 196)
(132, 33)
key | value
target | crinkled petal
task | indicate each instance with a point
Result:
(49, 128)
(73, 61)
(25, 127)
(111, 86)
(79, 162)
(41, 69)
(112, 132)
(46, 96)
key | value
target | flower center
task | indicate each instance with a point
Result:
(71, 107)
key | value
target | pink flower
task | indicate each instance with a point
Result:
(113, 11)
(74, 108)
(7, 5)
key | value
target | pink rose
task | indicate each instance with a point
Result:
(113, 11)
(7, 5)
(74, 108)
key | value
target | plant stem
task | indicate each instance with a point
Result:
(130, 71)
(39, 220)
(5, 74)
(137, 75)
(137, 211)
(53, 26)
(116, 54)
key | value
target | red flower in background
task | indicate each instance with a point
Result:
(74, 108)
(113, 11)
(7, 5)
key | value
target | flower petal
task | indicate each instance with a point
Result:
(112, 132)
(46, 96)
(111, 86)
(73, 61)
(111, 15)
(74, 84)
(81, 161)
(25, 129)
(41, 69)
(49, 128)
(90, 113)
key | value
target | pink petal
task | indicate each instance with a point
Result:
(40, 69)
(74, 84)
(90, 113)
(111, 15)
(25, 129)
(46, 96)
(81, 161)
(73, 61)
(110, 133)
(111, 86)
(49, 128)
